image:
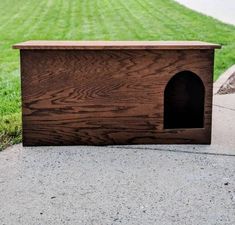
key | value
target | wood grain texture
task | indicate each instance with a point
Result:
(104, 97)
(115, 45)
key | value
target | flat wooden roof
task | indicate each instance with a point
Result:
(96, 45)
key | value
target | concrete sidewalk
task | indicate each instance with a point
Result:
(221, 10)
(152, 184)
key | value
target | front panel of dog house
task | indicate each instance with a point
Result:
(101, 93)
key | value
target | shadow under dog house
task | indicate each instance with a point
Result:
(118, 92)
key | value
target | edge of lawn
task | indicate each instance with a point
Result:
(10, 130)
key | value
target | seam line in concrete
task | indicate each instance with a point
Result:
(175, 151)
(224, 107)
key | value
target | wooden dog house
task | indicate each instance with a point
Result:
(119, 92)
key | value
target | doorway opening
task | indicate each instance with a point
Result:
(184, 101)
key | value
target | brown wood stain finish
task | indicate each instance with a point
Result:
(103, 93)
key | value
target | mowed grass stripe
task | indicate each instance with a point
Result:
(95, 27)
(86, 21)
(110, 14)
(133, 15)
(8, 9)
(40, 18)
(23, 26)
(115, 20)
(147, 14)
(161, 14)
(51, 22)
(105, 32)
(60, 24)
(73, 21)
(66, 22)
(131, 30)
(157, 26)
(69, 25)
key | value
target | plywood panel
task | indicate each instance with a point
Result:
(107, 96)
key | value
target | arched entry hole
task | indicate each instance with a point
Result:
(184, 101)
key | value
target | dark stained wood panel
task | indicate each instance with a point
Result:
(115, 45)
(104, 97)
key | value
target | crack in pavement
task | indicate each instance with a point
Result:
(174, 150)
(224, 107)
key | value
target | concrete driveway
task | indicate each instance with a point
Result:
(151, 184)
(223, 10)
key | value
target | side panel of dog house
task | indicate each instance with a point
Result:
(115, 96)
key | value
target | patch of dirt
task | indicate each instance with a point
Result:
(228, 87)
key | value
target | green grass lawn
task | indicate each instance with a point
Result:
(23, 20)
